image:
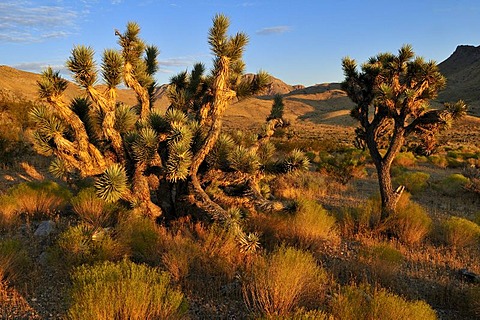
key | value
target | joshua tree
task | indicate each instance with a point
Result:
(135, 153)
(391, 95)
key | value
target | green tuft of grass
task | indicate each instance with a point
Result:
(124, 290)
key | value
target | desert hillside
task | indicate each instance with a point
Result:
(462, 70)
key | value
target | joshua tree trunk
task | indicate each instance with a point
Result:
(222, 96)
(142, 93)
(90, 160)
(383, 165)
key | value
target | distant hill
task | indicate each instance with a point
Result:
(462, 70)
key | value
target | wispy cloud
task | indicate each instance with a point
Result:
(25, 21)
(177, 62)
(273, 30)
(38, 67)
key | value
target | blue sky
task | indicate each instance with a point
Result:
(300, 42)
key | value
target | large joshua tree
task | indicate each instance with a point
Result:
(135, 153)
(391, 95)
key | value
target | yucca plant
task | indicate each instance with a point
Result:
(123, 145)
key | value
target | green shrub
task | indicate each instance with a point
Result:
(311, 224)
(84, 244)
(283, 281)
(15, 263)
(92, 209)
(438, 160)
(364, 218)
(344, 165)
(299, 185)
(452, 185)
(8, 212)
(365, 303)
(42, 198)
(411, 222)
(124, 290)
(405, 159)
(414, 182)
(460, 233)
(141, 237)
(384, 253)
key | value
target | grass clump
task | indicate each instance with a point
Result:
(405, 159)
(311, 224)
(411, 223)
(39, 198)
(299, 185)
(141, 237)
(460, 233)
(453, 185)
(84, 244)
(92, 209)
(414, 182)
(344, 165)
(362, 219)
(124, 290)
(365, 303)
(15, 262)
(283, 281)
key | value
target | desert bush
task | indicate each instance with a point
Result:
(92, 209)
(473, 175)
(124, 290)
(343, 165)
(303, 314)
(453, 185)
(438, 160)
(299, 185)
(405, 159)
(15, 263)
(364, 303)
(311, 224)
(362, 219)
(84, 244)
(414, 182)
(283, 281)
(460, 233)
(383, 260)
(411, 223)
(8, 212)
(39, 198)
(142, 238)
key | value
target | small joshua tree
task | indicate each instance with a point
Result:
(135, 153)
(391, 95)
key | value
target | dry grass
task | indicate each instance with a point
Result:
(272, 289)
(92, 209)
(124, 290)
(411, 224)
(299, 185)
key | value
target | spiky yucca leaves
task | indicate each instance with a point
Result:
(112, 184)
(219, 157)
(145, 145)
(82, 66)
(180, 154)
(295, 160)
(125, 118)
(244, 160)
(59, 168)
(277, 108)
(112, 68)
(51, 85)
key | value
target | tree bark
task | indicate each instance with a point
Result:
(141, 92)
(222, 95)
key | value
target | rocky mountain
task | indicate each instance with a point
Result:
(462, 70)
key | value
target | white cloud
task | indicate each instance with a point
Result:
(38, 67)
(273, 30)
(25, 21)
